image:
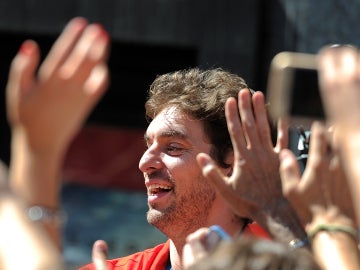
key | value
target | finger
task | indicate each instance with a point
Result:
(214, 175)
(30, 54)
(338, 67)
(99, 255)
(198, 235)
(235, 128)
(22, 74)
(97, 82)
(195, 245)
(282, 141)
(22, 69)
(89, 51)
(289, 173)
(247, 117)
(192, 252)
(317, 147)
(62, 47)
(344, 57)
(262, 122)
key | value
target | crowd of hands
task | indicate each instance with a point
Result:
(60, 92)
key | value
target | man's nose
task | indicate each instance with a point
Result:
(150, 161)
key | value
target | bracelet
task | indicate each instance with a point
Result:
(299, 243)
(39, 213)
(333, 228)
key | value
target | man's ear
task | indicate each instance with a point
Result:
(229, 159)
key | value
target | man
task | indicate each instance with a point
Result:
(186, 110)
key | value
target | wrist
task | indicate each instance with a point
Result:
(333, 229)
(329, 216)
(22, 142)
(38, 213)
(34, 175)
(282, 223)
(333, 223)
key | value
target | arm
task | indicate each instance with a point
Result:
(339, 72)
(254, 188)
(334, 249)
(46, 109)
(21, 239)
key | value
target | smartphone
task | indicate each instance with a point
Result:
(293, 88)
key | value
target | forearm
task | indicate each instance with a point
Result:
(336, 250)
(350, 149)
(334, 240)
(281, 222)
(34, 177)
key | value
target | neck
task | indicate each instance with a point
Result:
(175, 256)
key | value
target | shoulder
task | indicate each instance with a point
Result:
(152, 258)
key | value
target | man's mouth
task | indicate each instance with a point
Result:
(155, 189)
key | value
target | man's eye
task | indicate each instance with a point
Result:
(174, 150)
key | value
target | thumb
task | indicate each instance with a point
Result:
(24, 65)
(289, 171)
(99, 255)
(282, 141)
(211, 172)
(21, 76)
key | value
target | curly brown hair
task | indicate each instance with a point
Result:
(202, 95)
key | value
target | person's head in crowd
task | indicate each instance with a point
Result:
(249, 253)
(186, 114)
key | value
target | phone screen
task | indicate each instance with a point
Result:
(305, 94)
(293, 88)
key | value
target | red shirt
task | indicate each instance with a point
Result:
(150, 259)
(156, 258)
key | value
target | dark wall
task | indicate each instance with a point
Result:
(303, 26)
(155, 36)
(149, 38)
(222, 31)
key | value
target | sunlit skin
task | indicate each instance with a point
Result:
(180, 199)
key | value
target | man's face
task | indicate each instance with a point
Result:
(179, 197)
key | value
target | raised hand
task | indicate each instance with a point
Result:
(49, 106)
(322, 200)
(322, 188)
(339, 73)
(254, 187)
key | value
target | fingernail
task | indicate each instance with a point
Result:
(204, 161)
(26, 48)
(283, 155)
(99, 247)
(103, 34)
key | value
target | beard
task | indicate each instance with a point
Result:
(188, 212)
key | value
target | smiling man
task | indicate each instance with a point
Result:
(186, 113)
(179, 197)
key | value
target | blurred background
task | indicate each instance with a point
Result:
(103, 190)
